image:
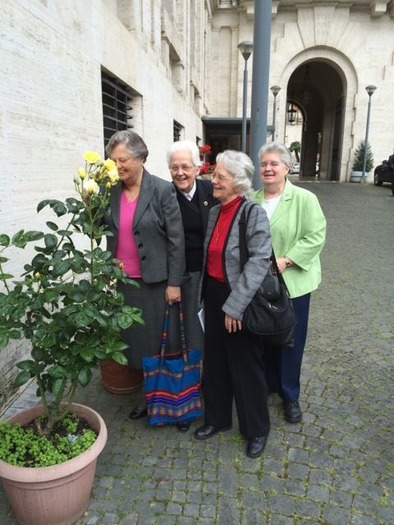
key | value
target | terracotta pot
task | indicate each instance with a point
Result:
(56, 495)
(120, 379)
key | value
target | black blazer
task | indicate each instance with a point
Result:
(195, 220)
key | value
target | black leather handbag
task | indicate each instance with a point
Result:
(270, 314)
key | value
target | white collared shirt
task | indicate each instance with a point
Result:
(191, 193)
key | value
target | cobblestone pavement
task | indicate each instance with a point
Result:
(337, 466)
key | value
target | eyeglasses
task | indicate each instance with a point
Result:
(220, 177)
(274, 164)
(183, 167)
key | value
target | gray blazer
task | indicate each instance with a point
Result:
(243, 285)
(157, 230)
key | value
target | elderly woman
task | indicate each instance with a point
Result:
(233, 359)
(148, 239)
(195, 199)
(298, 229)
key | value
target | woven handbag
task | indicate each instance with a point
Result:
(270, 314)
(172, 382)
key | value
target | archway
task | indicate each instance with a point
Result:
(316, 90)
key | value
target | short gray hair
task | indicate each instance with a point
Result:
(185, 145)
(133, 142)
(277, 147)
(241, 167)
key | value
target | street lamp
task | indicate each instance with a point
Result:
(246, 48)
(274, 90)
(370, 90)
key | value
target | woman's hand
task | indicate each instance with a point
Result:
(231, 324)
(283, 263)
(173, 294)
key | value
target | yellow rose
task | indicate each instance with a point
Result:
(91, 157)
(113, 176)
(82, 173)
(109, 164)
(92, 187)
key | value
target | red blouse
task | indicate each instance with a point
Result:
(215, 268)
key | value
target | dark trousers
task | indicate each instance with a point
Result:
(233, 369)
(283, 365)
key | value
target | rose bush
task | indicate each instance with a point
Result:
(66, 301)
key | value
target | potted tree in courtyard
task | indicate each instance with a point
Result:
(67, 306)
(358, 162)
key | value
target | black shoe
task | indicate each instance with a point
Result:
(183, 426)
(207, 431)
(256, 446)
(293, 412)
(136, 413)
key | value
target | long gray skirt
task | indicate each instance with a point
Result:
(145, 340)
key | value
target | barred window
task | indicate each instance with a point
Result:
(177, 131)
(117, 100)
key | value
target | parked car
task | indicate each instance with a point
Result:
(382, 174)
(296, 168)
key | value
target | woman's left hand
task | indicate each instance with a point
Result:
(231, 324)
(173, 294)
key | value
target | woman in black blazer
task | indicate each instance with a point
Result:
(148, 239)
(195, 200)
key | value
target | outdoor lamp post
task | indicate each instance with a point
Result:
(370, 90)
(274, 90)
(246, 48)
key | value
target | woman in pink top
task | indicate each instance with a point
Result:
(148, 239)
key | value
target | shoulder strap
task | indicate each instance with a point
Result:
(243, 249)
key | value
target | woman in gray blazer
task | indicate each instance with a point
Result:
(233, 358)
(148, 239)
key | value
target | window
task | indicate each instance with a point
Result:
(117, 105)
(177, 131)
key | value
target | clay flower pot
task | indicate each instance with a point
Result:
(120, 379)
(59, 494)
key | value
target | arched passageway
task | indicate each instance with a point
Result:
(315, 117)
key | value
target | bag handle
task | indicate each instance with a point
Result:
(243, 250)
(166, 324)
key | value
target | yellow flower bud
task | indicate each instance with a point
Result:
(92, 187)
(37, 276)
(108, 185)
(113, 176)
(82, 173)
(91, 157)
(109, 164)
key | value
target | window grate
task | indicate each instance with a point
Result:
(177, 131)
(117, 102)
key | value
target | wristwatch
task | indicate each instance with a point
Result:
(288, 262)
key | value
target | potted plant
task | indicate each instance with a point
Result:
(358, 162)
(67, 306)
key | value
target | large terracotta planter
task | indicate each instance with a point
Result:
(120, 379)
(56, 495)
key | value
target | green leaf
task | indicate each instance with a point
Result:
(87, 354)
(42, 205)
(65, 233)
(4, 276)
(19, 239)
(119, 358)
(3, 340)
(56, 371)
(52, 226)
(85, 376)
(50, 240)
(4, 240)
(58, 387)
(22, 378)
(61, 267)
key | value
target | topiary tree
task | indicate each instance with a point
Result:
(358, 160)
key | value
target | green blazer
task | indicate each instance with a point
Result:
(298, 230)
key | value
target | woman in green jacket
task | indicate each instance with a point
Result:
(298, 229)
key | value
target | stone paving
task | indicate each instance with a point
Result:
(337, 466)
